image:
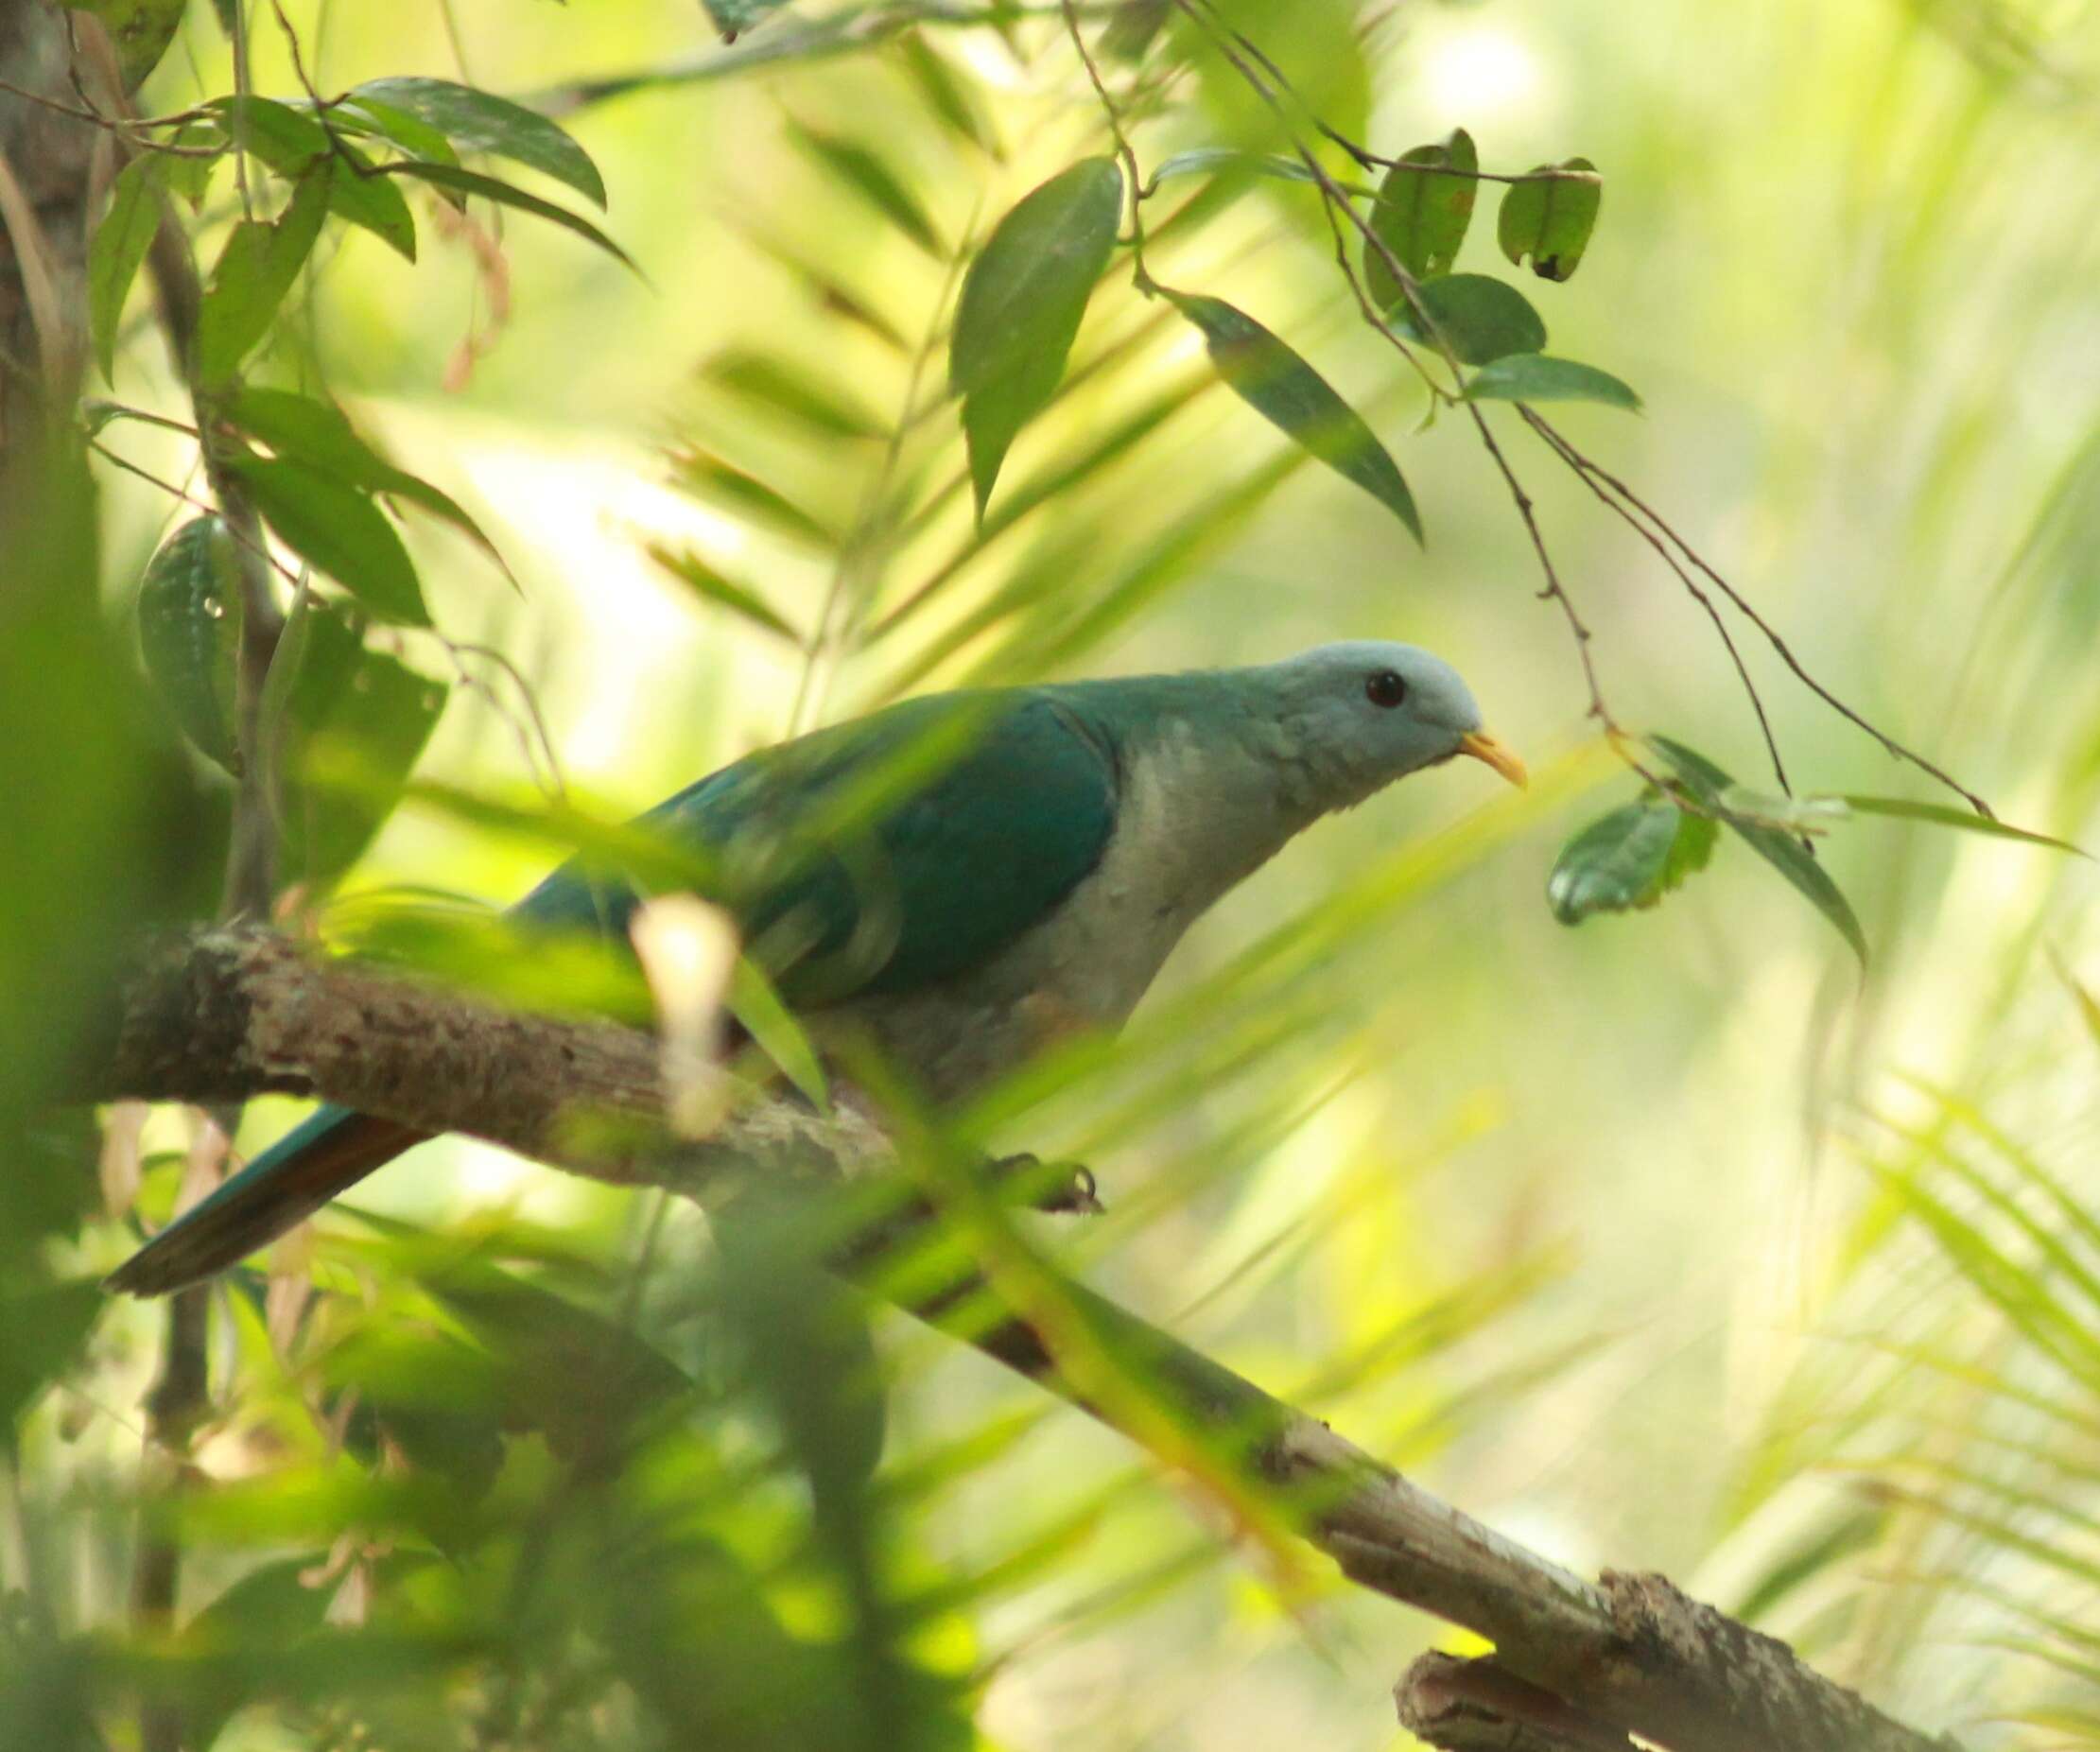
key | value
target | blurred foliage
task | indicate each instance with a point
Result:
(1671, 1241)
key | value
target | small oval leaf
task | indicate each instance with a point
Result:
(1630, 857)
(1021, 304)
(1537, 377)
(1423, 209)
(1551, 217)
(189, 633)
(1296, 400)
(1482, 317)
(478, 121)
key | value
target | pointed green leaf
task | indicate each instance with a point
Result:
(1630, 857)
(340, 530)
(285, 139)
(723, 483)
(1550, 219)
(317, 433)
(255, 270)
(473, 182)
(1535, 377)
(1424, 206)
(808, 397)
(1021, 304)
(347, 706)
(1483, 318)
(1205, 161)
(380, 120)
(365, 197)
(1707, 782)
(1965, 821)
(863, 171)
(118, 247)
(1291, 396)
(478, 121)
(189, 633)
(712, 586)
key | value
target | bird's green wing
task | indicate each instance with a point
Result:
(890, 853)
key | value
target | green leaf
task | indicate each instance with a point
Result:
(1291, 396)
(255, 270)
(472, 183)
(118, 247)
(1630, 857)
(808, 397)
(712, 586)
(1534, 377)
(478, 121)
(1205, 161)
(380, 120)
(948, 93)
(141, 29)
(338, 530)
(1021, 304)
(1550, 219)
(864, 172)
(361, 195)
(734, 17)
(1424, 206)
(316, 433)
(1707, 782)
(189, 633)
(1315, 46)
(348, 706)
(1965, 821)
(285, 139)
(1483, 318)
(47, 1326)
(723, 483)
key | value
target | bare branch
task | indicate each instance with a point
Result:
(237, 1012)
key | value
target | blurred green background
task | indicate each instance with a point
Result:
(1665, 1241)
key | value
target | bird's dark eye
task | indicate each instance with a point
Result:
(1385, 688)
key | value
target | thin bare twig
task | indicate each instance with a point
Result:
(1772, 637)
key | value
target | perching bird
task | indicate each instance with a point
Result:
(1031, 858)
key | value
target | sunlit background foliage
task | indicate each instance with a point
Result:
(1667, 1241)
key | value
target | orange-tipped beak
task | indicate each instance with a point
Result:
(1484, 747)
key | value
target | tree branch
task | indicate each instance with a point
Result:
(235, 1011)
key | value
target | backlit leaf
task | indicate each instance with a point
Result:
(1706, 783)
(255, 270)
(1964, 821)
(1291, 396)
(118, 247)
(472, 183)
(479, 121)
(317, 434)
(1021, 304)
(1535, 377)
(1424, 206)
(712, 586)
(340, 530)
(1482, 317)
(863, 170)
(1550, 219)
(1630, 857)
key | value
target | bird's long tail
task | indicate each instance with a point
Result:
(284, 1186)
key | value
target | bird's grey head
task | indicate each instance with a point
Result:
(1360, 715)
